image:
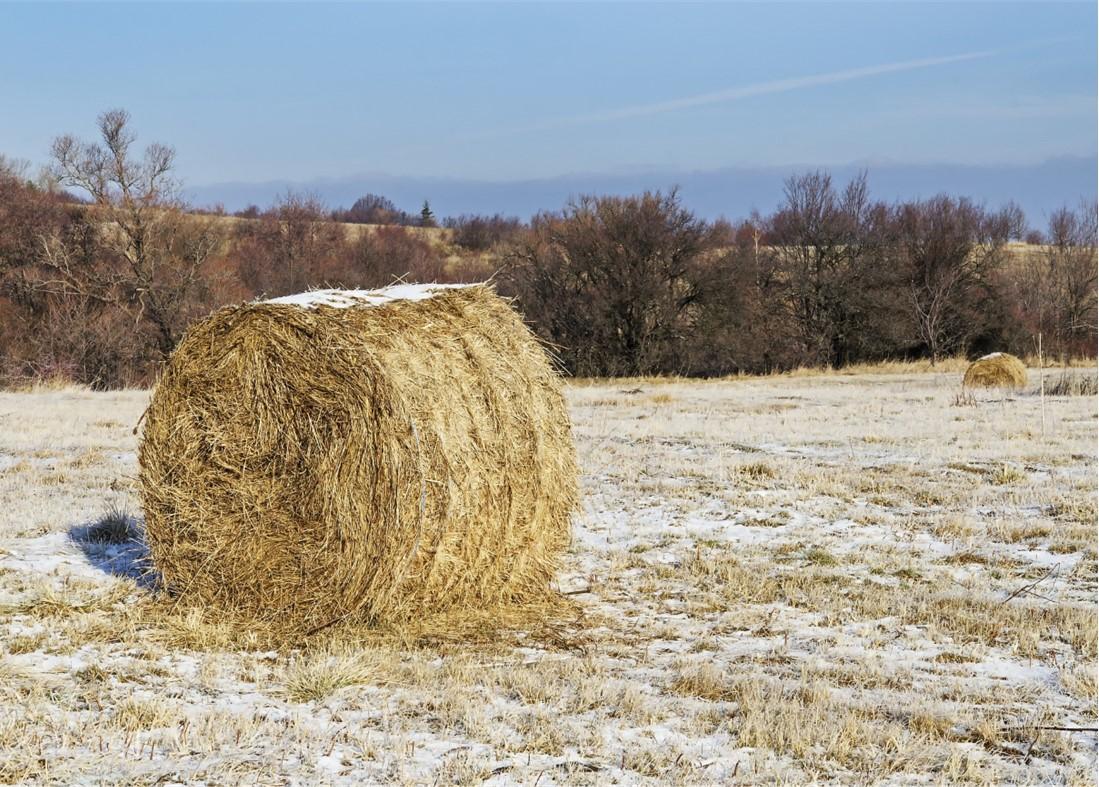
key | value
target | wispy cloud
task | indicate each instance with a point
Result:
(761, 89)
(765, 89)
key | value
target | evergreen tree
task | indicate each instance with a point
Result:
(427, 218)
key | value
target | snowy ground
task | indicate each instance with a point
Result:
(831, 578)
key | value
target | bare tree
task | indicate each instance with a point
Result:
(152, 271)
(613, 281)
(374, 209)
(481, 233)
(388, 254)
(13, 168)
(1068, 308)
(820, 251)
(948, 250)
(292, 247)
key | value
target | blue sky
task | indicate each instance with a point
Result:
(254, 92)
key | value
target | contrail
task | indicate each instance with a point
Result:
(757, 89)
(775, 86)
(748, 91)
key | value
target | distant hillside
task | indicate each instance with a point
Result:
(440, 236)
(733, 192)
(443, 238)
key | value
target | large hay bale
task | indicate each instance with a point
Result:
(997, 370)
(359, 455)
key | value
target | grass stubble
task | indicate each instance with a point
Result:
(839, 578)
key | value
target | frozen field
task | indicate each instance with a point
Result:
(830, 578)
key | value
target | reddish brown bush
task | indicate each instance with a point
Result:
(100, 290)
(386, 254)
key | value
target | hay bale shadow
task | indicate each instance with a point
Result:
(115, 544)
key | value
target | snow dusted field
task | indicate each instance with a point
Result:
(830, 578)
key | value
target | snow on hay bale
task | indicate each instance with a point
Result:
(370, 456)
(998, 370)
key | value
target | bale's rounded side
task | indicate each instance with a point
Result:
(312, 465)
(998, 370)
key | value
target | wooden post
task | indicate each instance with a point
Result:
(1042, 381)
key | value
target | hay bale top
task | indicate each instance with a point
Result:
(343, 299)
(996, 370)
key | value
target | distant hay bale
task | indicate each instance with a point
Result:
(997, 370)
(359, 455)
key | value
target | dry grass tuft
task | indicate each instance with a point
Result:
(997, 370)
(705, 681)
(1071, 383)
(316, 676)
(305, 466)
(953, 364)
(134, 715)
(65, 602)
(1080, 681)
(1006, 474)
(756, 471)
(114, 527)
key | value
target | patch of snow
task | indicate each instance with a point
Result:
(331, 763)
(342, 299)
(8, 461)
(700, 529)
(998, 668)
(62, 555)
(49, 554)
(1043, 558)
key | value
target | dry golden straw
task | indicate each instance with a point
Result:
(998, 370)
(359, 456)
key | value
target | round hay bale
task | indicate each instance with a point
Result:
(359, 455)
(997, 370)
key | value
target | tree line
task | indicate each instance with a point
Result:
(103, 265)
